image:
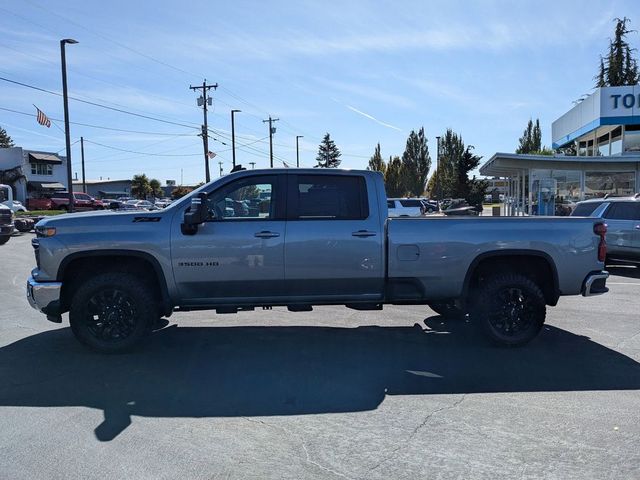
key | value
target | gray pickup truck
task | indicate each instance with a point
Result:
(6, 223)
(300, 238)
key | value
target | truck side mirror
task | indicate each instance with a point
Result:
(198, 213)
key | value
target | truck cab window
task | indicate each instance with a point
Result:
(337, 197)
(245, 199)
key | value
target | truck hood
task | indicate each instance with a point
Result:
(102, 219)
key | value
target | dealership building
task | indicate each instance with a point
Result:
(601, 140)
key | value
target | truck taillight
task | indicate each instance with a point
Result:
(600, 229)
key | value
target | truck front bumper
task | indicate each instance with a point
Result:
(45, 297)
(595, 284)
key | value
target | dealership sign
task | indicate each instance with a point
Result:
(605, 106)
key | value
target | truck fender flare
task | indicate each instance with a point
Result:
(162, 282)
(513, 252)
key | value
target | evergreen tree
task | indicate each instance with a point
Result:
(5, 139)
(601, 78)
(328, 153)
(376, 163)
(393, 183)
(140, 186)
(416, 163)
(531, 139)
(456, 162)
(618, 67)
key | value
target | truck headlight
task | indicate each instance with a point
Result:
(45, 231)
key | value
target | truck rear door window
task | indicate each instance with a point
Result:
(337, 197)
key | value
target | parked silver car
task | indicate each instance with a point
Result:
(622, 215)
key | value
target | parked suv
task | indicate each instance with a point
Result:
(405, 207)
(622, 215)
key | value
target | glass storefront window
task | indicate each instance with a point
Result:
(616, 141)
(582, 149)
(590, 148)
(603, 146)
(632, 139)
(566, 184)
(599, 184)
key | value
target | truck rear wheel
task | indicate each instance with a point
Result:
(112, 312)
(4, 239)
(511, 309)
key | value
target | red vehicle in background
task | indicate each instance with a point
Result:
(60, 201)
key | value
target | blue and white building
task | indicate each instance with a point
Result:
(600, 141)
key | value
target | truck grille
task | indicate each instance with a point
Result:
(5, 217)
(35, 243)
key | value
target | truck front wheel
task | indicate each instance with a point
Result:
(510, 308)
(112, 312)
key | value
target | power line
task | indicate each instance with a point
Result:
(102, 127)
(142, 153)
(33, 87)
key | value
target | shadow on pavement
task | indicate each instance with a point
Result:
(624, 270)
(246, 371)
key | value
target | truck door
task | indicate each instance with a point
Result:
(237, 256)
(334, 247)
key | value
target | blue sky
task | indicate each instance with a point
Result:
(365, 72)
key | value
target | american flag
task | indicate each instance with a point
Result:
(211, 154)
(43, 119)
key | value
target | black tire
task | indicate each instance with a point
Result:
(447, 309)
(112, 312)
(510, 308)
(64, 208)
(4, 239)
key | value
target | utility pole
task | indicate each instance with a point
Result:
(233, 136)
(298, 150)
(272, 130)
(220, 163)
(203, 101)
(253, 165)
(84, 180)
(438, 172)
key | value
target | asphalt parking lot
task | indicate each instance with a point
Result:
(333, 393)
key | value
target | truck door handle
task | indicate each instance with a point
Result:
(364, 233)
(266, 234)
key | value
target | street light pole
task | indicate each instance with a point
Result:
(233, 137)
(67, 136)
(298, 150)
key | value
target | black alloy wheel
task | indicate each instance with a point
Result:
(111, 315)
(112, 312)
(511, 309)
